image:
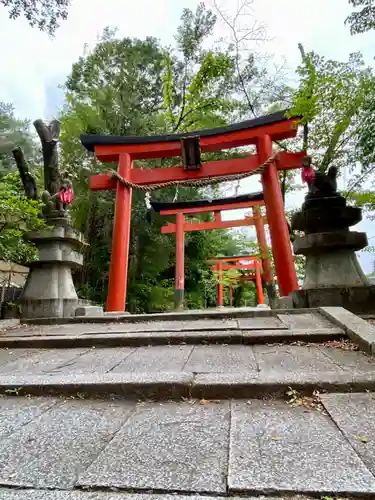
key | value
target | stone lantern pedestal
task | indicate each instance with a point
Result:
(49, 290)
(333, 276)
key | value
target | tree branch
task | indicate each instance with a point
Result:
(305, 142)
(181, 117)
(28, 181)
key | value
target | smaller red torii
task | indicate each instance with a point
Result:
(181, 226)
(248, 263)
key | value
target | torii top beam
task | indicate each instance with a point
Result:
(276, 125)
(205, 206)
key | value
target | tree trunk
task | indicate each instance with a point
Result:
(28, 181)
(49, 136)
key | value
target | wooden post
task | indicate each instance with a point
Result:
(266, 264)
(281, 248)
(220, 284)
(230, 295)
(180, 265)
(118, 273)
(258, 283)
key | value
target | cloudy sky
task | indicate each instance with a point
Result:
(35, 65)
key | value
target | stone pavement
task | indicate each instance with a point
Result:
(257, 406)
(216, 448)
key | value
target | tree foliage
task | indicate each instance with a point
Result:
(331, 99)
(363, 19)
(13, 132)
(18, 214)
(43, 14)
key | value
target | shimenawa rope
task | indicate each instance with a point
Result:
(193, 182)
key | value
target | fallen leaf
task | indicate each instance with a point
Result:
(363, 439)
(276, 438)
(203, 402)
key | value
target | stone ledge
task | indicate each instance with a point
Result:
(132, 386)
(174, 386)
(9, 323)
(247, 337)
(330, 241)
(125, 317)
(250, 385)
(27, 494)
(358, 330)
(31, 494)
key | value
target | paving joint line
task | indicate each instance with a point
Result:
(346, 439)
(154, 491)
(122, 359)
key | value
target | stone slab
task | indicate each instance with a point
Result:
(305, 320)
(270, 323)
(7, 494)
(177, 447)
(360, 331)
(219, 358)
(154, 385)
(174, 338)
(15, 412)
(187, 315)
(275, 383)
(174, 326)
(354, 414)
(89, 311)
(306, 335)
(349, 360)
(42, 361)
(95, 361)
(297, 359)
(155, 359)
(12, 355)
(9, 323)
(51, 451)
(123, 339)
(277, 448)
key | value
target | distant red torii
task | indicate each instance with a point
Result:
(185, 208)
(248, 263)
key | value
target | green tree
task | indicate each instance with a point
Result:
(363, 19)
(133, 87)
(13, 132)
(44, 14)
(17, 215)
(331, 99)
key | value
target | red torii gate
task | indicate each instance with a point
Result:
(248, 263)
(124, 150)
(185, 208)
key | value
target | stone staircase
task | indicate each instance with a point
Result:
(254, 404)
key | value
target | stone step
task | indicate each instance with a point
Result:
(187, 315)
(118, 450)
(175, 371)
(162, 386)
(146, 338)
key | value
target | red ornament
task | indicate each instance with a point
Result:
(66, 196)
(308, 175)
